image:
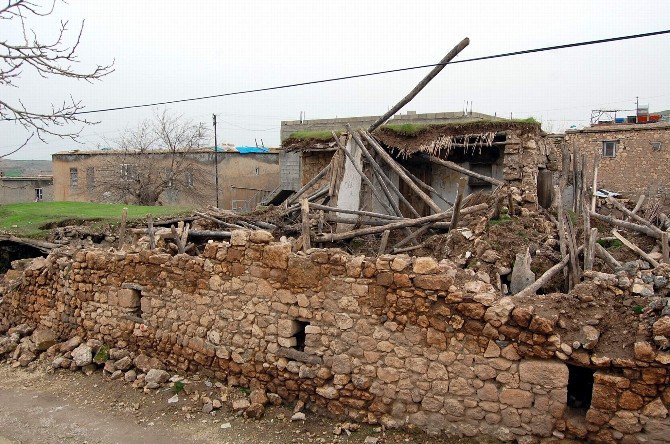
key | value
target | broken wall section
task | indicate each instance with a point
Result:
(393, 340)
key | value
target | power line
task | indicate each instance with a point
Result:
(376, 73)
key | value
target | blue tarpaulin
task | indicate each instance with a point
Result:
(250, 149)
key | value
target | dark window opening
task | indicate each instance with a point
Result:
(300, 335)
(580, 387)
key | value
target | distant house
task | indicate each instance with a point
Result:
(25, 181)
(245, 175)
(21, 189)
(634, 157)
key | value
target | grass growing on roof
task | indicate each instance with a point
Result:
(407, 129)
(25, 219)
(312, 135)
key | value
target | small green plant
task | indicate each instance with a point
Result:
(503, 219)
(103, 355)
(573, 216)
(637, 309)
(178, 387)
(610, 244)
(245, 390)
(311, 135)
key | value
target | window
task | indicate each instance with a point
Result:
(257, 171)
(609, 148)
(656, 146)
(189, 179)
(128, 171)
(300, 335)
(74, 178)
(38, 194)
(580, 387)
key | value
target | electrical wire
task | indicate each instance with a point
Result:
(376, 73)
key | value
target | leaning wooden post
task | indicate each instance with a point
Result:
(150, 232)
(634, 248)
(665, 248)
(304, 207)
(122, 229)
(462, 182)
(384, 241)
(594, 172)
(558, 195)
(590, 249)
(422, 84)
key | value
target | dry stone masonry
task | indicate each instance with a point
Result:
(397, 340)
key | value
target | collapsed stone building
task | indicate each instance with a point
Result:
(442, 343)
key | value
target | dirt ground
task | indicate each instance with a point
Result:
(37, 406)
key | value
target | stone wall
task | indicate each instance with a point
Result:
(393, 340)
(637, 168)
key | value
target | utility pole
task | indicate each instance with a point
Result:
(216, 163)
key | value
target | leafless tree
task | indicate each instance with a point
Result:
(48, 58)
(159, 155)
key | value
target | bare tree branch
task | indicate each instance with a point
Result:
(54, 58)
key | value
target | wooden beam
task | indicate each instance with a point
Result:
(627, 225)
(384, 241)
(545, 278)
(590, 249)
(395, 225)
(594, 187)
(305, 225)
(632, 214)
(605, 255)
(462, 183)
(358, 212)
(364, 177)
(634, 248)
(391, 162)
(460, 169)
(422, 84)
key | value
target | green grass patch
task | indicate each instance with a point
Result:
(312, 135)
(178, 387)
(407, 129)
(613, 244)
(573, 216)
(103, 355)
(25, 219)
(503, 219)
(637, 309)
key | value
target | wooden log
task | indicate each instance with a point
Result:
(627, 225)
(358, 212)
(462, 183)
(594, 186)
(546, 277)
(586, 205)
(384, 241)
(422, 84)
(407, 249)
(364, 177)
(358, 221)
(396, 225)
(391, 162)
(41, 245)
(411, 237)
(575, 179)
(665, 248)
(590, 249)
(122, 229)
(605, 255)
(305, 225)
(455, 167)
(632, 215)
(560, 225)
(150, 232)
(379, 174)
(308, 185)
(168, 222)
(193, 234)
(638, 205)
(218, 221)
(572, 248)
(634, 248)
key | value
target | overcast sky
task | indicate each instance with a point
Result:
(166, 50)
